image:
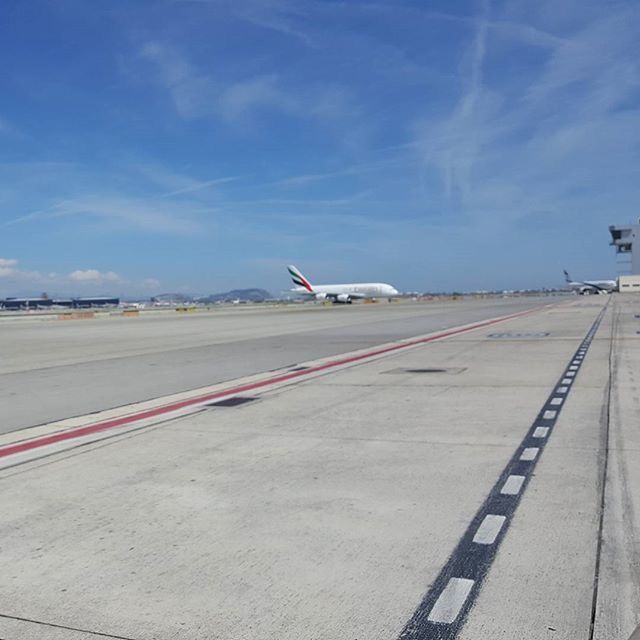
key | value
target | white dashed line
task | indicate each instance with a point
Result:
(444, 606)
(512, 486)
(530, 453)
(489, 529)
(573, 367)
(451, 600)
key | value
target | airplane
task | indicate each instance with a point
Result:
(591, 286)
(340, 293)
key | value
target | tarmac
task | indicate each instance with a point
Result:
(468, 469)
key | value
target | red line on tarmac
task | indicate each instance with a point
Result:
(79, 432)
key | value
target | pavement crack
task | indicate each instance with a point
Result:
(97, 634)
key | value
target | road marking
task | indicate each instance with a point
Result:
(471, 558)
(556, 401)
(512, 486)
(489, 529)
(541, 432)
(94, 431)
(529, 454)
(573, 367)
(448, 605)
(571, 373)
(562, 389)
(567, 380)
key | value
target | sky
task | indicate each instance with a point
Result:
(201, 145)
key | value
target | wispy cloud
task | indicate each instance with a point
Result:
(452, 145)
(133, 196)
(118, 212)
(200, 186)
(173, 184)
(512, 148)
(200, 93)
(594, 63)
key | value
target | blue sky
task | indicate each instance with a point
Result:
(201, 145)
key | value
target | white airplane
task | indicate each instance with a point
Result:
(591, 286)
(345, 293)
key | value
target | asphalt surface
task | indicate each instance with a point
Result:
(482, 485)
(53, 369)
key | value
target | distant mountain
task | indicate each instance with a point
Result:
(252, 295)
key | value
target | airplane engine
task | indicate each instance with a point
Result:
(321, 296)
(344, 298)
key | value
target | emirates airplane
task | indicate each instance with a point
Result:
(344, 293)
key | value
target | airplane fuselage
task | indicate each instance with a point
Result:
(360, 289)
(348, 292)
(594, 286)
(345, 293)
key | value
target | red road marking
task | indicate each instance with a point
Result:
(79, 432)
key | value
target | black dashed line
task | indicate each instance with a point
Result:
(446, 605)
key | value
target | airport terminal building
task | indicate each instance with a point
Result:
(23, 304)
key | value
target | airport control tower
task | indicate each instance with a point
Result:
(626, 240)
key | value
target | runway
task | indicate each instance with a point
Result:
(460, 470)
(53, 369)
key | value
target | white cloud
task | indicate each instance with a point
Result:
(10, 271)
(151, 283)
(7, 268)
(79, 279)
(93, 275)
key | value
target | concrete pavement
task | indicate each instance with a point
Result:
(328, 506)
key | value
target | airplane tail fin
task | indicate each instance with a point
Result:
(299, 279)
(567, 277)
